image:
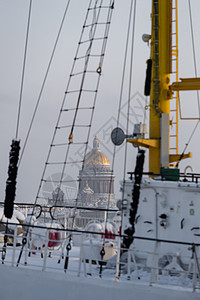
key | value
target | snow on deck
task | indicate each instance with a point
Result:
(30, 282)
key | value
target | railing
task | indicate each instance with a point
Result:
(189, 177)
(87, 253)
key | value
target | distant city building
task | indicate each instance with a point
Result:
(58, 194)
(57, 197)
(96, 189)
(96, 179)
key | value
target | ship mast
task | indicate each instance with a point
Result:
(161, 91)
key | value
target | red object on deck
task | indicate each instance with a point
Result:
(108, 235)
(54, 239)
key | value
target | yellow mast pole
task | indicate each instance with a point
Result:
(161, 91)
(177, 93)
(160, 80)
(159, 97)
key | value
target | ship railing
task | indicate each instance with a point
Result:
(101, 255)
(188, 177)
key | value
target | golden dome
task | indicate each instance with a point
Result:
(96, 156)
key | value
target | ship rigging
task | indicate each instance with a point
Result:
(154, 226)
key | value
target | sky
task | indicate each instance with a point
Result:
(45, 20)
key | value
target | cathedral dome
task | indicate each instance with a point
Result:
(96, 156)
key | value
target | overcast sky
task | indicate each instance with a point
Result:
(45, 20)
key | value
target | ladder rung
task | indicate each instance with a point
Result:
(46, 180)
(78, 91)
(63, 162)
(70, 109)
(69, 126)
(173, 135)
(82, 72)
(64, 144)
(98, 23)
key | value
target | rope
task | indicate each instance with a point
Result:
(23, 69)
(44, 80)
(11, 181)
(129, 96)
(129, 90)
(3, 255)
(119, 110)
(91, 36)
(189, 140)
(127, 240)
(118, 119)
(63, 102)
(108, 21)
(100, 234)
(96, 14)
(35, 110)
(14, 152)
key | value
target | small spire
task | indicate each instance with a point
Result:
(96, 143)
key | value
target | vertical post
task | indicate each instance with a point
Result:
(194, 271)
(129, 265)
(45, 250)
(118, 259)
(196, 267)
(14, 245)
(26, 246)
(154, 269)
(80, 256)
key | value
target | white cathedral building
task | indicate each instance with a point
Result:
(96, 179)
(96, 188)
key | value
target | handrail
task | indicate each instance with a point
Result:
(101, 233)
(194, 176)
(87, 260)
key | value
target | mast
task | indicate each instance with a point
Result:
(159, 97)
(161, 92)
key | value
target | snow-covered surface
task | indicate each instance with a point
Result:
(39, 280)
(17, 218)
(30, 285)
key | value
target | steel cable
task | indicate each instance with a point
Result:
(44, 80)
(23, 69)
